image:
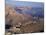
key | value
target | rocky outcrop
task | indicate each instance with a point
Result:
(21, 23)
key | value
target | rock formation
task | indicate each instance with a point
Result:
(21, 23)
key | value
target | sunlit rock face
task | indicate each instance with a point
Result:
(13, 18)
(19, 22)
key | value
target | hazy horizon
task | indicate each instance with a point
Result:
(24, 3)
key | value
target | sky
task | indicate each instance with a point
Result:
(29, 0)
(22, 3)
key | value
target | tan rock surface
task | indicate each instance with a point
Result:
(21, 22)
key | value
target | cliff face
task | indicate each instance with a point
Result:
(13, 18)
(21, 23)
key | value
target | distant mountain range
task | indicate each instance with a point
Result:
(30, 11)
(29, 8)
